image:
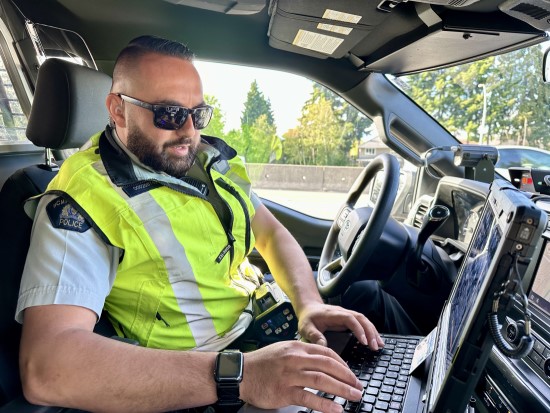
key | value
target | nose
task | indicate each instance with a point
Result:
(188, 127)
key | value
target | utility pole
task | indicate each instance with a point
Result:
(483, 126)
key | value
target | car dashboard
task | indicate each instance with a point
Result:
(465, 199)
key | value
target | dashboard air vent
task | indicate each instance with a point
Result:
(419, 215)
(419, 210)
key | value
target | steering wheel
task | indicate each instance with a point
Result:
(356, 231)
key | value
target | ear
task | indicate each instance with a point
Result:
(114, 107)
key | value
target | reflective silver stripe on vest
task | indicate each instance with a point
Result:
(219, 343)
(181, 276)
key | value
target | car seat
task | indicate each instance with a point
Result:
(68, 107)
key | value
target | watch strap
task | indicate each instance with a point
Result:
(228, 394)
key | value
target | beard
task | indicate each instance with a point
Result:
(148, 153)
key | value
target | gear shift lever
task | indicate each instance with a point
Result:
(435, 217)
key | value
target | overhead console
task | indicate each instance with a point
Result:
(315, 28)
(442, 35)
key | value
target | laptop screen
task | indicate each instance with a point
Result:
(540, 291)
(470, 282)
(482, 249)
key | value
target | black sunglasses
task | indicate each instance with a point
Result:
(171, 117)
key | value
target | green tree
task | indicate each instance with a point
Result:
(234, 138)
(255, 106)
(257, 143)
(217, 123)
(518, 103)
(452, 95)
(529, 102)
(317, 138)
(354, 125)
(265, 146)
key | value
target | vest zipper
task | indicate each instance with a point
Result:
(227, 227)
(229, 188)
(228, 248)
(241, 201)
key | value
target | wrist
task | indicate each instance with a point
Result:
(306, 306)
(248, 388)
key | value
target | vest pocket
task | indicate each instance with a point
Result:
(150, 296)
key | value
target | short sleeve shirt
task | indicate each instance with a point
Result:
(65, 266)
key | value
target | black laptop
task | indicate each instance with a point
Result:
(501, 246)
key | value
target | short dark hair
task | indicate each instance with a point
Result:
(143, 45)
(148, 43)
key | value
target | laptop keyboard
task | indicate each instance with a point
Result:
(384, 374)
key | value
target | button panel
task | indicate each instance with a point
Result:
(540, 356)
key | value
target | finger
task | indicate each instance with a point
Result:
(319, 381)
(372, 336)
(366, 333)
(324, 368)
(350, 319)
(301, 397)
(326, 352)
(313, 335)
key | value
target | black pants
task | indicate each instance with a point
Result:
(381, 308)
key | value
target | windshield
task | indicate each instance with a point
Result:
(499, 101)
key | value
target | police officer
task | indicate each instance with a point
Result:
(153, 223)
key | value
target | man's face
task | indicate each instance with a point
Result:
(173, 157)
(162, 80)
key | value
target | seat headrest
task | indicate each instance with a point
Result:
(68, 105)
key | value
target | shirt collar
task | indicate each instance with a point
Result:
(125, 168)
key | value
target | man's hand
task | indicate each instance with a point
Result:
(316, 318)
(275, 376)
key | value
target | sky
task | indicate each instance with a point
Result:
(230, 85)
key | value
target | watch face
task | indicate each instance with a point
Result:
(229, 367)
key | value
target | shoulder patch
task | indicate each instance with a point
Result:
(63, 215)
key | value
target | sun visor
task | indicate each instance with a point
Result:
(450, 39)
(322, 28)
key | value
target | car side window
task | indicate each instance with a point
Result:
(535, 159)
(13, 120)
(48, 42)
(508, 158)
(303, 144)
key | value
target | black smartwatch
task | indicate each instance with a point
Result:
(228, 374)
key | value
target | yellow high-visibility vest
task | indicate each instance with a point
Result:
(183, 281)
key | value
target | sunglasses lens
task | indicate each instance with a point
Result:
(201, 117)
(170, 117)
(173, 117)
